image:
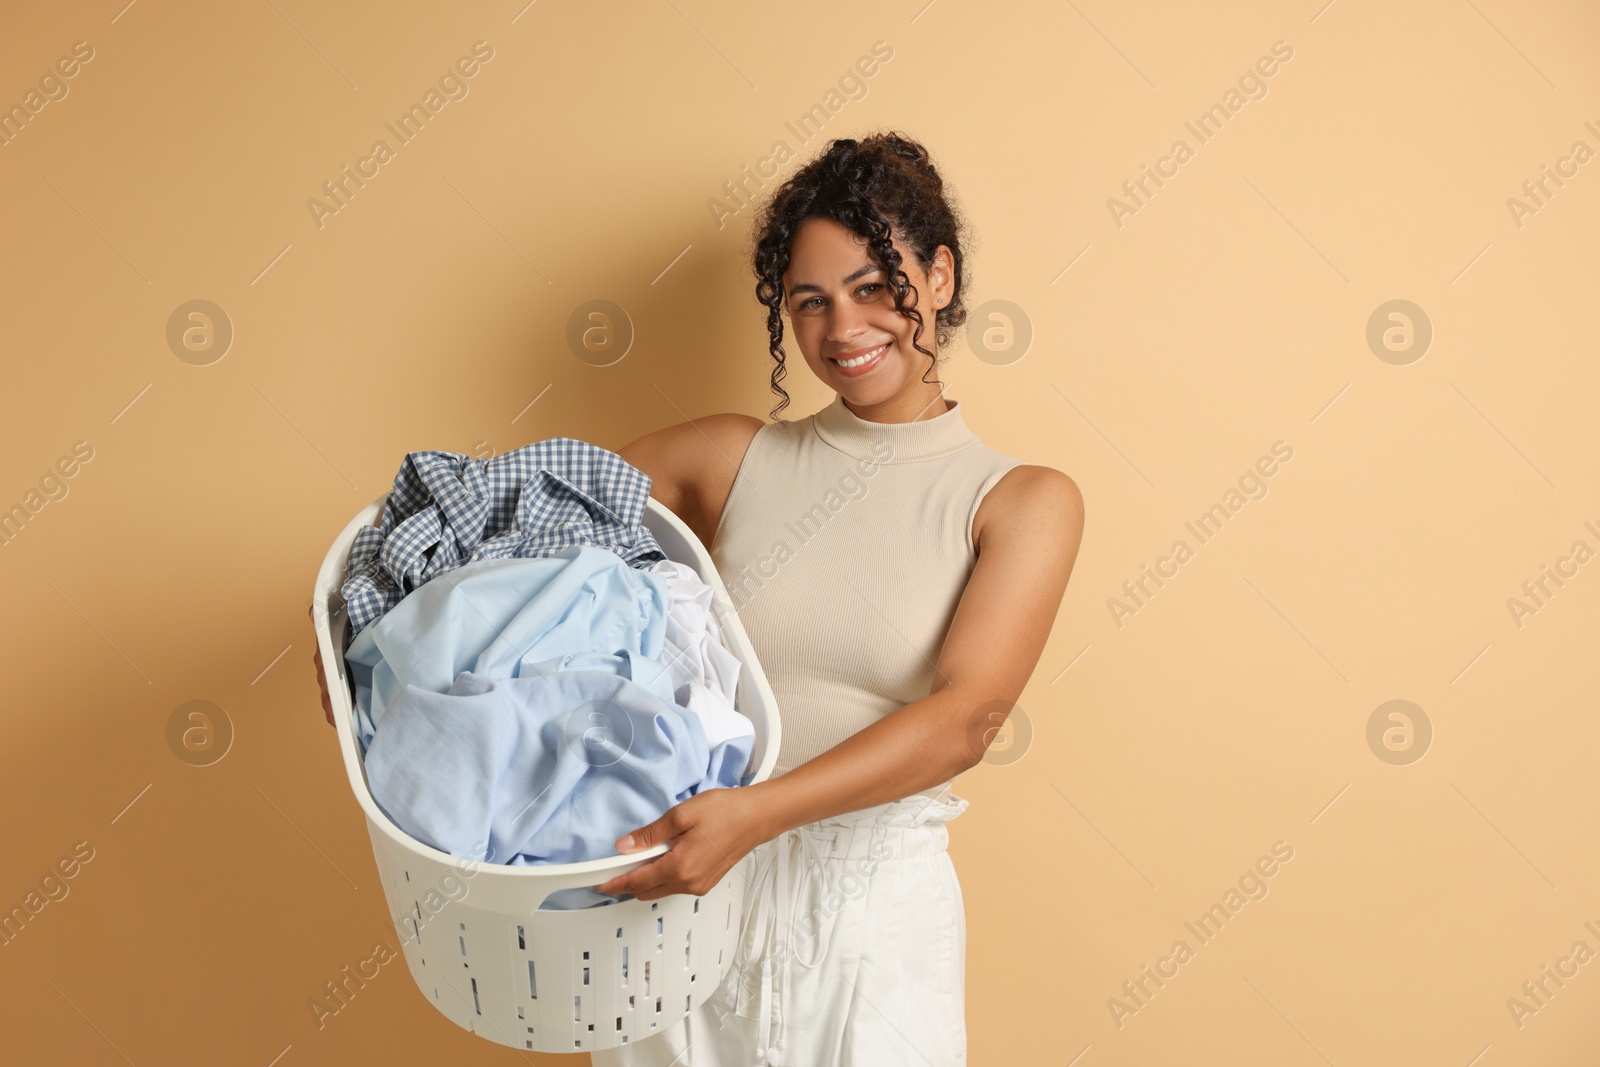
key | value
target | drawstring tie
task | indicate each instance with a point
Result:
(772, 897)
(776, 887)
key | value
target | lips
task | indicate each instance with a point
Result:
(875, 354)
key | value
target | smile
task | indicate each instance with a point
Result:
(862, 363)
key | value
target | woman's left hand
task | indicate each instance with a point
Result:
(707, 835)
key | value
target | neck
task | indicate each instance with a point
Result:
(938, 429)
(925, 402)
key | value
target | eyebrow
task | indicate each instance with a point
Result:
(807, 287)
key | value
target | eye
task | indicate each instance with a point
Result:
(805, 305)
(870, 287)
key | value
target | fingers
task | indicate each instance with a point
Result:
(642, 880)
(633, 882)
(327, 699)
(670, 825)
(659, 877)
(641, 838)
(668, 874)
(322, 677)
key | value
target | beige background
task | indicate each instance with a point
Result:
(1228, 313)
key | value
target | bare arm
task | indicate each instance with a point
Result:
(692, 466)
(1031, 532)
(1031, 524)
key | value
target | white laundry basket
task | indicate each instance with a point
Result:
(474, 938)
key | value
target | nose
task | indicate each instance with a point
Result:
(846, 322)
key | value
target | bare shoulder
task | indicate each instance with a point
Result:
(1041, 500)
(692, 465)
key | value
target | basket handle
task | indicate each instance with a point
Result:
(588, 873)
(594, 876)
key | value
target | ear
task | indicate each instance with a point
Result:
(942, 276)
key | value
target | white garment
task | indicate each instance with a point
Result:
(704, 674)
(852, 952)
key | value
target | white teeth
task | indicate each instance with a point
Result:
(861, 359)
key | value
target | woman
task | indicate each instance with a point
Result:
(898, 580)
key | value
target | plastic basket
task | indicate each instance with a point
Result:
(477, 944)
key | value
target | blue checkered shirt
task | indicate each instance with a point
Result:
(447, 509)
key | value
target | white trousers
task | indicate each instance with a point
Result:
(852, 952)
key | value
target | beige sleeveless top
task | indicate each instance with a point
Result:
(845, 546)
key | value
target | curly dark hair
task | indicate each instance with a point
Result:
(884, 183)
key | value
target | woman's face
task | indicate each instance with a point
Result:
(841, 307)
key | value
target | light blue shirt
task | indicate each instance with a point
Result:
(518, 711)
(581, 608)
(545, 769)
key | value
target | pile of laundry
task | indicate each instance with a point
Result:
(533, 676)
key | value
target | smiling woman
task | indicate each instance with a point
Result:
(892, 630)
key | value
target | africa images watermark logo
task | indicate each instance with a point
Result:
(452, 85)
(1251, 886)
(737, 194)
(1205, 127)
(1252, 485)
(52, 88)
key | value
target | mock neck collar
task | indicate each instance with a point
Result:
(931, 438)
